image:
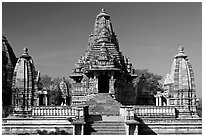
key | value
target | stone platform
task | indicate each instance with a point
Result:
(36, 126)
(171, 126)
(103, 104)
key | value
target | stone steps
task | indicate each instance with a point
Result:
(105, 128)
(101, 133)
(104, 116)
(107, 125)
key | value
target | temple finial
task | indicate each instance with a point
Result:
(181, 49)
(25, 51)
(103, 10)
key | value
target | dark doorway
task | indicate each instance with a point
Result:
(41, 102)
(103, 84)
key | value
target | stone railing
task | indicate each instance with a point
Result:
(131, 112)
(59, 111)
(155, 111)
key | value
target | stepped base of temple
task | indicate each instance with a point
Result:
(171, 126)
(105, 125)
(103, 104)
(104, 117)
(36, 126)
(187, 114)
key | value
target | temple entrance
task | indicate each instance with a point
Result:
(103, 84)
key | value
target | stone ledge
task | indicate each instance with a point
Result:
(128, 122)
(78, 123)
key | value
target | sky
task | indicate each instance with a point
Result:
(56, 34)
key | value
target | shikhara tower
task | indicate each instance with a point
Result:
(24, 85)
(103, 68)
(8, 63)
(180, 85)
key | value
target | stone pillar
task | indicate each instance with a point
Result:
(97, 84)
(46, 100)
(127, 129)
(136, 130)
(38, 100)
(95, 79)
(82, 129)
(65, 101)
(157, 101)
(167, 101)
(160, 101)
(73, 130)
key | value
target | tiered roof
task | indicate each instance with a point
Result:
(103, 43)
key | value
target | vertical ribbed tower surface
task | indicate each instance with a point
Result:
(181, 85)
(8, 63)
(24, 84)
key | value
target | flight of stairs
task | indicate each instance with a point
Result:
(105, 128)
(103, 104)
(104, 116)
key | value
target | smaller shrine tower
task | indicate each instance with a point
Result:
(24, 85)
(180, 86)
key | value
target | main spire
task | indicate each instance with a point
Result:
(103, 31)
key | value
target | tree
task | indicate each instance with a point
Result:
(52, 86)
(146, 84)
(47, 82)
(55, 97)
(152, 80)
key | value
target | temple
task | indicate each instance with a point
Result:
(179, 86)
(103, 98)
(103, 67)
(24, 85)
